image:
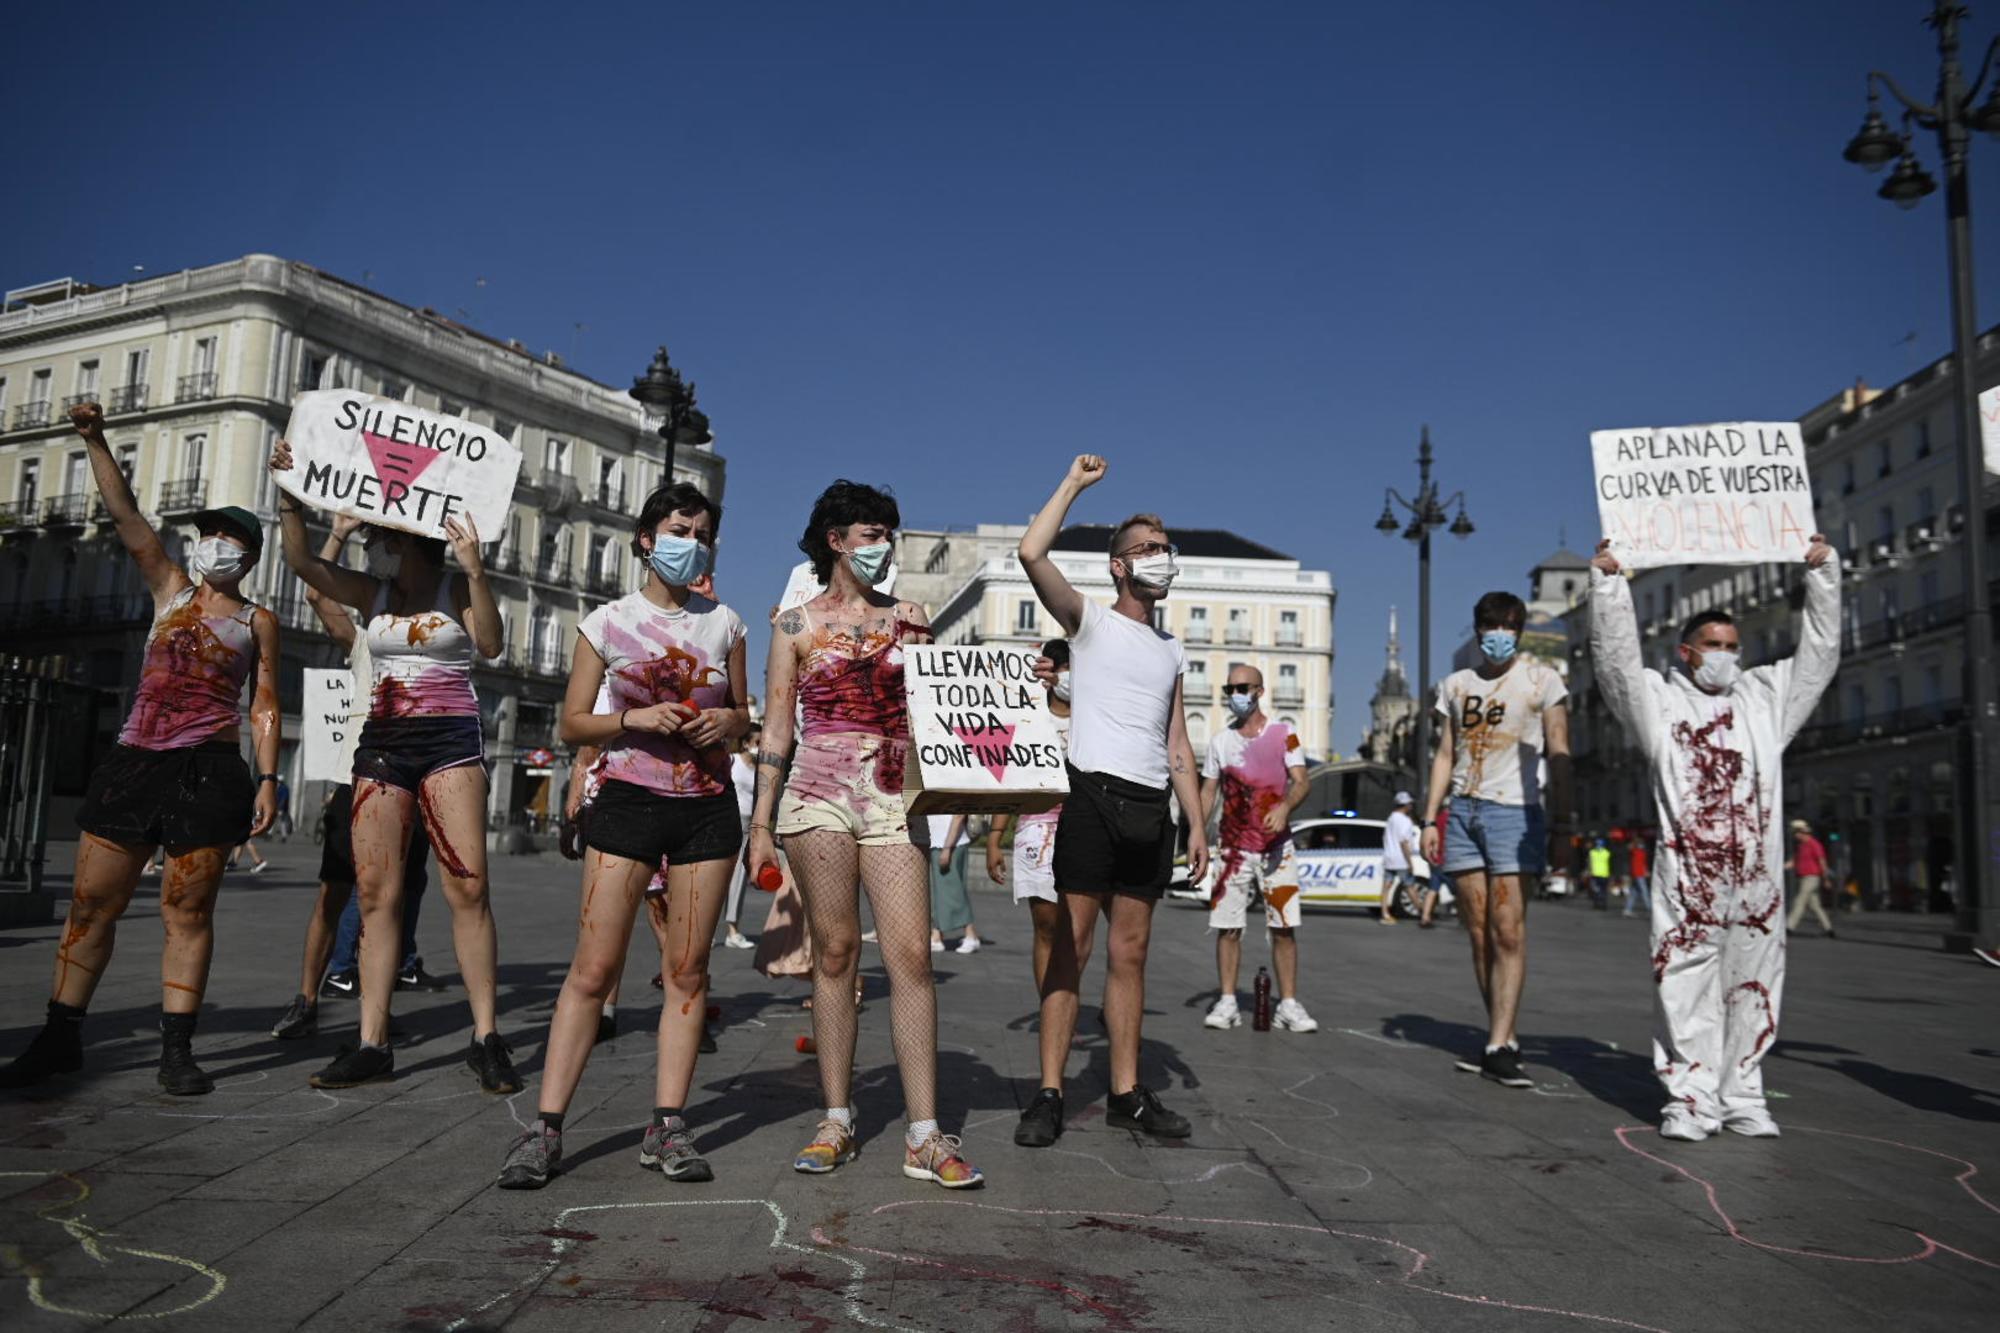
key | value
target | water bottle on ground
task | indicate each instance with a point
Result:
(1260, 1018)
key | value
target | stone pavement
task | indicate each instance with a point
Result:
(1348, 1178)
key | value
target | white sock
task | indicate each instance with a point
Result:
(919, 1132)
(840, 1115)
(610, 1010)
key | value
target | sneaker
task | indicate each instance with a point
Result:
(868, 937)
(1683, 1124)
(937, 1159)
(1292, 1017)
(340, 986)
(535, 1157)
(1467, 1064)
(970, 944)
(415, 978)
(1504, 1067)
(1752, 1124)
(1042, 1123)
(356, 1065)
(832, 1145)
(56, 1049)
(179, 1074)
(669, 1150)
(1426, 925)
(1223, 1014)
(1385, 920)
(937, 945)
(260, 867)
(300, 1019)
(1140, 1109)
(607, 1028)
(490, 1060)
(1990, 957)
(738, 940)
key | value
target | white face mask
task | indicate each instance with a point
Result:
(1061, 687)
(382, 562)
(1718, 671)
(1156, 572)
(218, 558)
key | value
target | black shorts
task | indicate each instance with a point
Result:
(336, 857)
(644, 826)
(1114, 836)
(202, 796)
(403, 751)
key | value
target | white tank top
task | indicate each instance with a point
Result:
(422, 663)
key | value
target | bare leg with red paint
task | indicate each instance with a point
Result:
(187, 910)
(684, 917)
(384, 816)
(453, 802)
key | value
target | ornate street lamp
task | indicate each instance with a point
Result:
(666, 397)
(1955, 119)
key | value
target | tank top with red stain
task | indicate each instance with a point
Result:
(422, 663)
(851, 684)
(191, 681)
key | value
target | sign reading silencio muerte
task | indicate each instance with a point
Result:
(389, 463)
(1732, 493)
(982, 739)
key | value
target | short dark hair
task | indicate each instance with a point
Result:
(1057, 651)
(842, 505)
(1499, 610)
(1702, 620)
(680, 498)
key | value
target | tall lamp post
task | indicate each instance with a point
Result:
(1426, 512)
(1954, 117)
(663, 394)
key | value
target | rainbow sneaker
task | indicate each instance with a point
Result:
(832, 1146)
(937, 1159)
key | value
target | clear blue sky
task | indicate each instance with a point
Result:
(1244, 251)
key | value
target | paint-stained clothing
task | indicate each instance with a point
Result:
(654, 655)
(1497, 730)
(191, 681)
(1718, 879)
(422, 663)
(854, 738)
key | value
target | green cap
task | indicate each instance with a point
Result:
(239, 521)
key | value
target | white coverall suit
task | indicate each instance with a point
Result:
(1718, 877)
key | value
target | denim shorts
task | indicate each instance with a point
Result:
(1499, 839)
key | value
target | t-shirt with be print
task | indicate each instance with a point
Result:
(1497, 730)
(653, 655)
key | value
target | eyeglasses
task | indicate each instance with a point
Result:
(1145, 549)
(1238, 689)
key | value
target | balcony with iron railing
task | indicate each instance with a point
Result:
(27, 416)
(505, 561)
(1943, 715)
(602, 583)
(195, 388)
(66, 511)
(17, 514)
(552, 568)
(1288, 696)
(98, 613)
(127, 398)
(1237, 635)
(1289, 637)
(79, 399)
(1198, 631)
(611, 498)
(185, 496)
(546, 660)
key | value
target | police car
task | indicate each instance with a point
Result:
(1339, 857)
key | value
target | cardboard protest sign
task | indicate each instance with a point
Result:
(982, 739)
(388, 463)
(1989, 426)
(325, 713)
(1732, 493)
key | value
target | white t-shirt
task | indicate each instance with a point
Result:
(1401, 830)
(743, 774)
(1255, 774)
(653, 655)
(941, 829)
(1122, 678)
(1497, 730)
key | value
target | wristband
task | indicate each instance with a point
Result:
(267, 777)
(621, 718)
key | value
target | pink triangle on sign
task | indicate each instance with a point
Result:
(397, 461)
(986, 740)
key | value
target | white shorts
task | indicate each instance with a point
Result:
(1034, 866)
(1241, 877)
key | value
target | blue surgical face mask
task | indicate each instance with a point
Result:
(1242, 705)
(868, 562)
(1498, 644)
(678, 560)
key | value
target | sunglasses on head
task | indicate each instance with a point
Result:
(1238, 689)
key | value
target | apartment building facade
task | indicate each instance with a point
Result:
(196, 372)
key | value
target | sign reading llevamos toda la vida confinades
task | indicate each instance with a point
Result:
(1732, 493)
(389, 463)
(982, 739)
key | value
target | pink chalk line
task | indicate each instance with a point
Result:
(1418, 1259)
(1930, 1247)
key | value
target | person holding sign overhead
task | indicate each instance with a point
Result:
(421, 750)
(1715, 737)
(672, 661)
(1114, 849)
(176, 780)
(836, 662)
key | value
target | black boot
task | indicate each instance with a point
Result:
(179, 1074)
(56, 1049)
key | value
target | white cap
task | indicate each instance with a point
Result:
(1404, 798)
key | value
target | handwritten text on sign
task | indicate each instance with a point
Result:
(325, 714)
(1734, 493)
(982, 739)
(399, 466)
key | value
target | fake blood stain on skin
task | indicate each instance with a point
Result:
(448, 857)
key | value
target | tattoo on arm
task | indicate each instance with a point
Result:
(792, 621)
(771, 759)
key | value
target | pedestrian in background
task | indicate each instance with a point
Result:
(1399, 850)
(951, 901)
(1600, 874)
(1639, 893)
(1809, 864)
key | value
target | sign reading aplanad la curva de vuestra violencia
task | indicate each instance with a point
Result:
(399, 466)
(1732, 493)
(982, 739)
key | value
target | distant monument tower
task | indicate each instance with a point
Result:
(1392, 711)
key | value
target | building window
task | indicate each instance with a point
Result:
(450, 407)
(1933, 685)
(204, 357)
(28, 488)
(1892, 694)
(38, 392)
(86, 381)
(1924, 438)
(1857, 703)
(128, 462)
(1025, 617)
(555, 457)
(1885, 523)
(192, 451)
(1926, 505)
(1196, 686)
(507, 429)
(1882, 463)
(1927, 588)
(1847, 476)
(610, 482)
(76, 474)
(1288, 628)
(397, 389)
(3, 393)
(312, 369)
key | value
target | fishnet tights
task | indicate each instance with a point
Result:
(831, 868)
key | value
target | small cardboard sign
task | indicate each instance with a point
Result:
(398, 466)
(982, 739)
(1732, 493)
(325, 714)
